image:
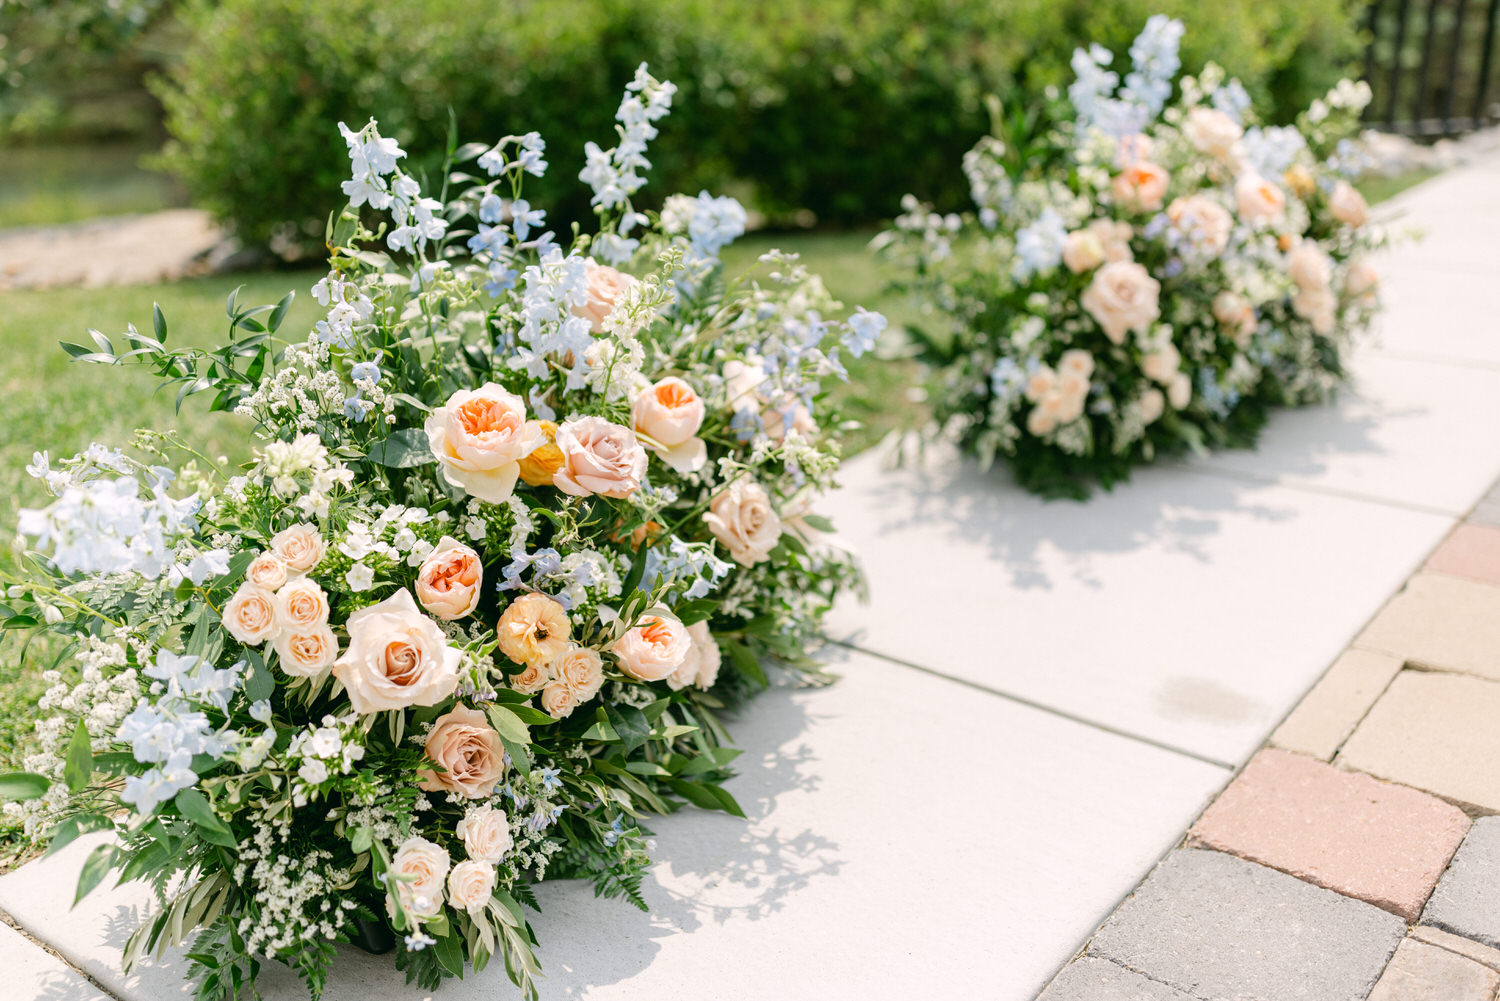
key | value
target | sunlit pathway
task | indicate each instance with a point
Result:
(1038, 701)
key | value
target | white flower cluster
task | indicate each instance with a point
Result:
(322, 751)
(372, 159)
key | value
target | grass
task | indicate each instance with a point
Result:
(48, 185)
(1377, 189)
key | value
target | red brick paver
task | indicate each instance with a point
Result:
(1350, 833)
(1472, 551)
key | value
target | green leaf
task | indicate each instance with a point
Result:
(159, 322)
(279, 313)
(630, 724)
(259, 682)
(79, 765)
(520, 755)
(70, 830)
(530, 715)
(16, 787)
(403, 449)
(193, 805)
(706, 795)
(743, 659)
(359, 841)
(819, 522)
(95, 868)
(509, 724)
(450, 953)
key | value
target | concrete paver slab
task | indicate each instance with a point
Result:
(1441, 622)
(1421, 972)
(1466, 902)
(1472, 551)
(1340, 699)
(1090, 978)
(30, 973)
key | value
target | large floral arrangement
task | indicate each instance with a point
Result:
(522, 520)
(1142, 273)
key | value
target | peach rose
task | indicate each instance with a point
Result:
(250, 615)
(1348, 205)
(1361, 282)
(598, 458)
(471, 884)
(1180, 391)
(538, 467)
(470, 752)
(1122, 297)
(1258, 199)
(1309, 266)
(777, 424)
(701, 666)
(1212, 132)
(1076, 361)
(1115, 236)
(557, 700)
(267, 570)
(486, 834)
(606, 286)
(1141, 187)
(1317, 306)
(1153, 404)
(1041, 381)
(1040, 423)
(424, 867)
(530, 681)
(1162, 364)
(533, 629)
(1203, 223)
(1083, 251)
(479, 437)
(671, 413)
(307, 654)
(1234, 311)
(581, 670)
(742, 518)
(301, 606)
(397, 657)
(299, 547)
(655, 648)
(450, 580)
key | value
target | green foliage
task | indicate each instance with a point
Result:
(838, 107)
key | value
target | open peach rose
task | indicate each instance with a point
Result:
(670, 414)
(605, 287)
(301, 606)
(397, 657)
(654, 648)
(479, 437)
(471, 884)
(469, 751)
(1122, 297)
(533, 629)
(1141, 187)
(1257, 199)
(449, 582)
(1348, 206)
(598, 458)
(742, 518)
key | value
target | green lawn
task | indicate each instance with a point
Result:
(46, 185)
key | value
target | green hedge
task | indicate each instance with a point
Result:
(838, 107)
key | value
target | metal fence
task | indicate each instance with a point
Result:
(1430, 64)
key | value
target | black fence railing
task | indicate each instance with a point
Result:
(1431, 65)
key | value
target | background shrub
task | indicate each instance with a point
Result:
(836, 107)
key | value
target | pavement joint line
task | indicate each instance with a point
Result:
(1314, 488)
(1042, 706)
(20, 929)
(1405, 665)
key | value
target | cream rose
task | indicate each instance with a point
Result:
(742, 382)
(1040, 423)
(486, 834)
(1162, 364)
(1234, 311)
(1152, 404)
(1202, 222)
(1076, 361)
(655, 648)
(670, 413)
(301, 606)
(1040, 382)
(469, 752)
(1309, 266)
(742, 518)
(1141, 187)
(530, 681)
(267, 570)
(450, 580)
(471, 884)
(479, 437)
(397, 657)
(701, 666)
(1318, 306)
(598, 458)
(1122, 297)
(299, 547)
(557, 700)
(423, 867)
(1258, 199)
(1348, 205)
(533, 629)
(605, 287)
(1361, 282)
(1180, 391)
(307, 654)
(1083, 251)
(250, 615)
(581, 670)
(1213, 132)
(1115, 236)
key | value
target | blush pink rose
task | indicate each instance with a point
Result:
(450, 580)
(605, 287)
(250, 615)
(469, 751)
(743, 519)
(1083, 251)
(397, 657)
(670, 413)
(479, 437)
(1204, 224)
(299, 547)
(1141, 187)
(598, 458)
(1211, 131)
(1122, 297)
(1348, 205)
(655, 648)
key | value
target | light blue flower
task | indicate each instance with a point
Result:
(366, 371)
(865, 328)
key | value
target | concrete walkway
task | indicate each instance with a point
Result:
(1038, 701)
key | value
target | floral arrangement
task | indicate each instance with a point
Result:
(1141, 274)
(522, 520)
